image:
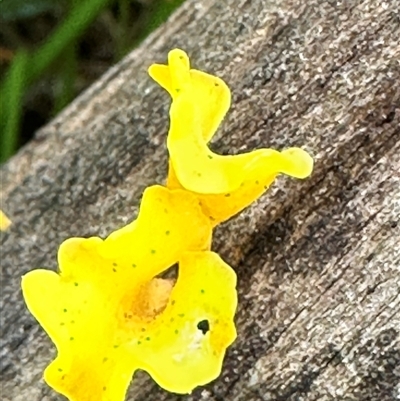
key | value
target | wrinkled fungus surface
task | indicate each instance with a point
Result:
(225, 185)
(108, 309)
(109, 315)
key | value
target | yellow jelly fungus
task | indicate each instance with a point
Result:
(5, 222)
(108, 314)
(224, 184)
(185, 345)
(108, 310)
(212, 95)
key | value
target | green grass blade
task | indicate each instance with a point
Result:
(82, 14)
(12, 88)
(11, 102)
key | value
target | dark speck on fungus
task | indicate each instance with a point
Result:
(204, 326)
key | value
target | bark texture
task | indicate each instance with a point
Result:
(318, 261)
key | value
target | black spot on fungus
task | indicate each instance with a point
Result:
(59, 369)
(76, 284)
(153, 251)
(167, 232)
(210, 157)
(147, 338)
(133, 265)
(181, 315)
(105, 360)
(176, 331)
(216, 83)
(64, 310)
(202, 291)
(204, 326)
(71, 338)
(114, 270)
(114, 264)
(227, 195)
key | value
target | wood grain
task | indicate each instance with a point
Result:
(318, 260)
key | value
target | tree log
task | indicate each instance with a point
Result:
(318, 261)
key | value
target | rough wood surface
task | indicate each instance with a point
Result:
(318, 260)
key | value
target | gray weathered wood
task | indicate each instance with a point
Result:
(318, 261)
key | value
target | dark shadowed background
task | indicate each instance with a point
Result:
(51, 50)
